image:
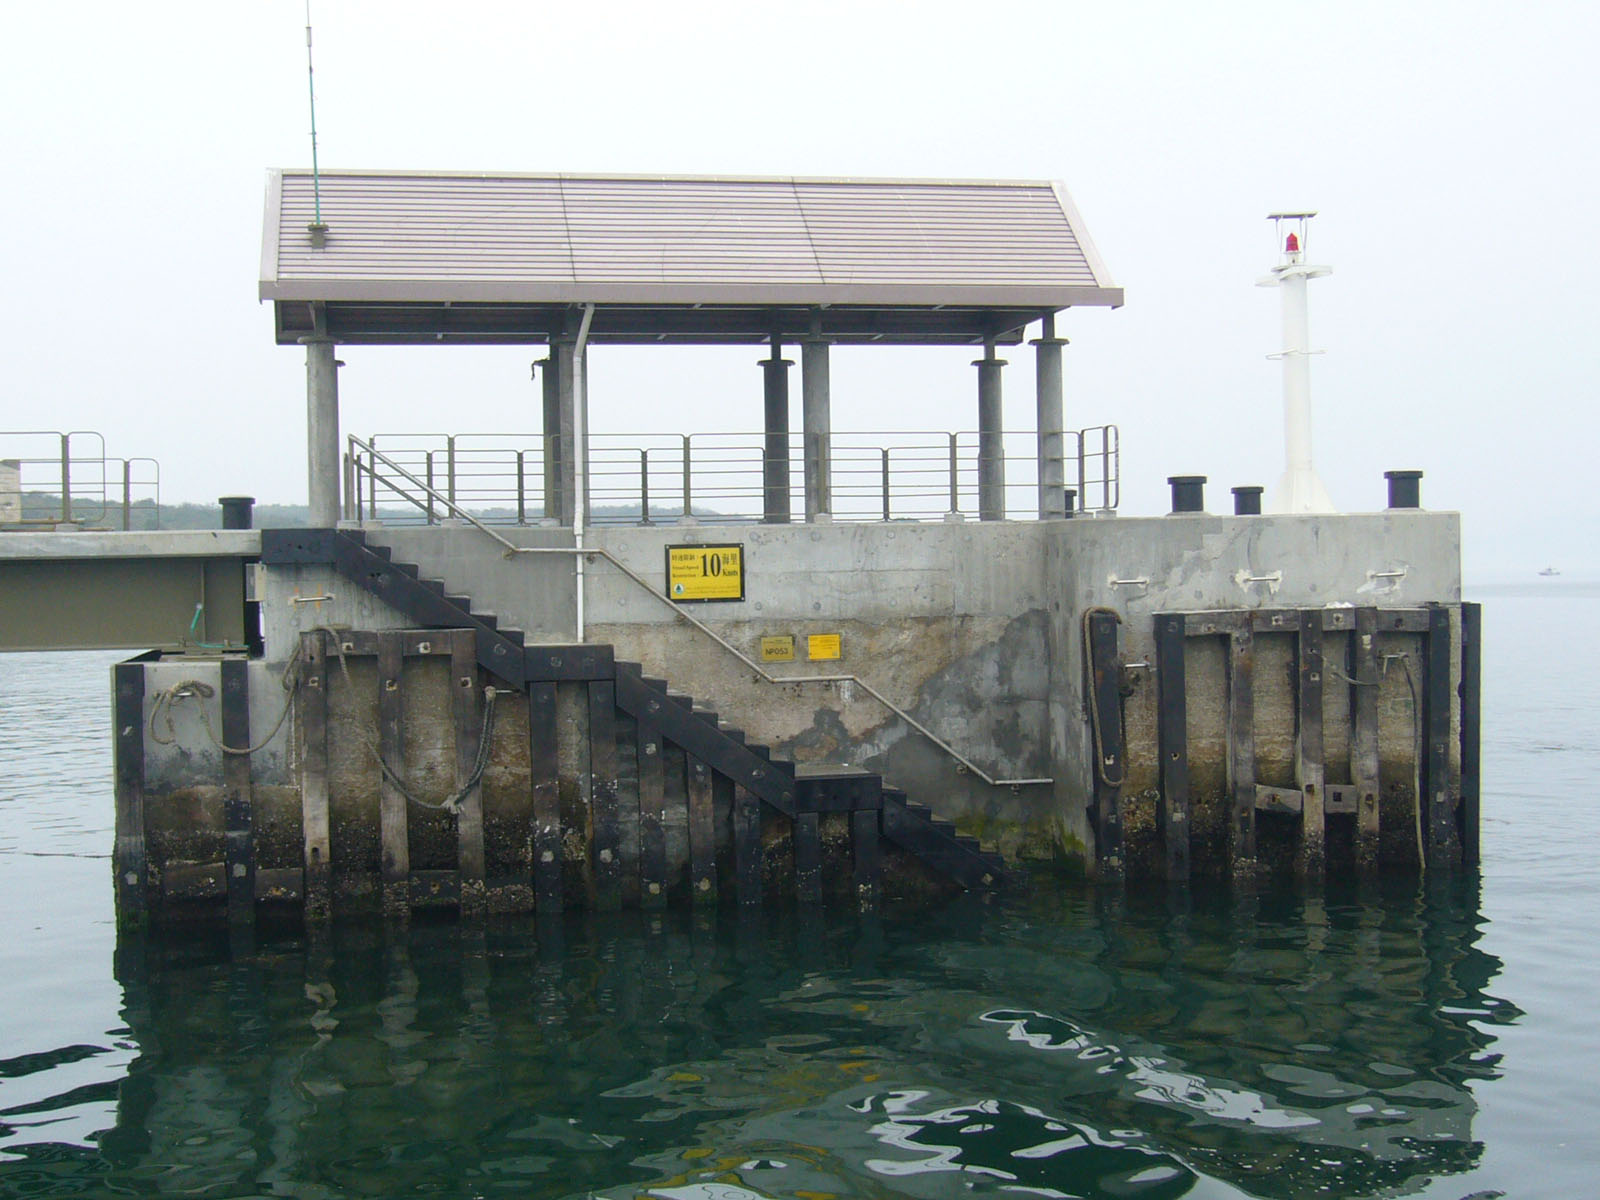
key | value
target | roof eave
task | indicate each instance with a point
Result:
(1053, 297)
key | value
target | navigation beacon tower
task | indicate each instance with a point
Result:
(1299, 490)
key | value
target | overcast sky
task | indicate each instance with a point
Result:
(1450, 149)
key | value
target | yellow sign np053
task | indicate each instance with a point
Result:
(698, 573)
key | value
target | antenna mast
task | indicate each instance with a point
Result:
(317, 227)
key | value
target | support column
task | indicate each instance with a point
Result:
(563, 359)
(818, 425)
(554, 449)
(323, 460)
(581, 400)
(775, 456)
(991, 448)
(1052, 437)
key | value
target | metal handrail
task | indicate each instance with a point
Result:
(88, 485)
(592, 552)
(932, 475)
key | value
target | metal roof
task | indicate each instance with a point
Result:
(414, 257)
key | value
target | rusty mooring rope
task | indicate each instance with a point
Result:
(480, 762)
(161, 709)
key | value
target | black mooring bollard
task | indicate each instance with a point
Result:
(1247, 501)
(236, 511)
(1188, 493)
(1069, 505)
(1404, 489)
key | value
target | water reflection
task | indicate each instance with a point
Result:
(1066, 1045)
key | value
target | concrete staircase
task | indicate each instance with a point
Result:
(719, 758)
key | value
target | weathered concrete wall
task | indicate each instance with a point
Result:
(183, 766)
(945, 620)
(973, 629)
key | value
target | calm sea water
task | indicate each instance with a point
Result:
(1434, 1039)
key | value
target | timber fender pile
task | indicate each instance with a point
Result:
(1312, 742)
(451, 765)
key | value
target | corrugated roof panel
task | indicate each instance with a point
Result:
(652, 243)
(887, 234)
(425, 228)
(635, 230)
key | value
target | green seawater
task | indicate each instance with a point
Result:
(1428, 1037)
(1065, 1045)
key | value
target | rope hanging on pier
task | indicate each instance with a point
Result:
(1094, 703)
(161, 709)
(451, 804)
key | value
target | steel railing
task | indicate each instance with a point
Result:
(648, 478)
(51, 478)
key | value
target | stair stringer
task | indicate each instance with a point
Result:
(503, 654)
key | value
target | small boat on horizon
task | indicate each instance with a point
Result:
(1549, 571)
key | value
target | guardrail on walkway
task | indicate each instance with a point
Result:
(50, 478)
(646, 478)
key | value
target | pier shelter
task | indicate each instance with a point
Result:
(566, 262)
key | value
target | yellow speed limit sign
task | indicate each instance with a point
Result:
(705, 573)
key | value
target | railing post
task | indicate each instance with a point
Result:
(522, 495)
(955, 480)
(1113, 473)
(450, 468)
(688, 501)
(428, 460)
(644, 486)
(1083, 472)
(127, 495)
(350, 502)
(885, 483)
(372, 482)
(66, 478)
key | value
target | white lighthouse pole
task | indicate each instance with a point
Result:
(1299, 490)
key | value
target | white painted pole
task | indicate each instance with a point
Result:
(1299, 489)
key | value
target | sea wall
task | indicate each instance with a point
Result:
(972, 631)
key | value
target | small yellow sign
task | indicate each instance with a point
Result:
(820, 646)
(703, 573)
(778, 649)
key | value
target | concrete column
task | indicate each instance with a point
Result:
(563, 356)
(818, 425)
(554, 451)
(581, 399)
(775, 456)
(323, 457)
(1052, 437)
(991, 448)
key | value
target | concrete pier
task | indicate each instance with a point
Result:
(754, 712)
(1238, 720)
